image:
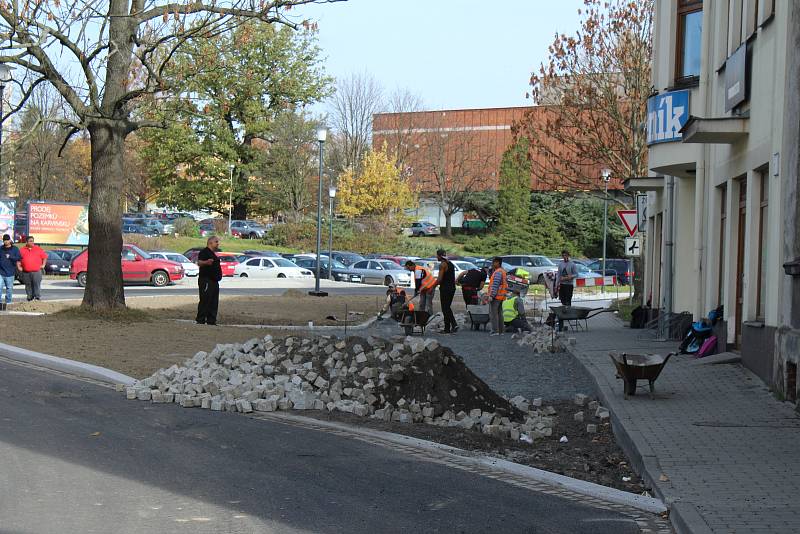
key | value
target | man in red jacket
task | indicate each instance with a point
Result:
(33, 260)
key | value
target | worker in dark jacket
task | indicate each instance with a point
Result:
(471, 282)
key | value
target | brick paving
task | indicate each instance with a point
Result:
(727, 449)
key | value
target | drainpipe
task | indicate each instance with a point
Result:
(666, 291)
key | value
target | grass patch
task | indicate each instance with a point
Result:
(117, 315)
(623, 308)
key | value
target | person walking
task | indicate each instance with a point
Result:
(447, 284)
(208, 282)
(471, 281)
(424, 286)
(565, 281)
(10, 259)
(32, 263)
(498, 288)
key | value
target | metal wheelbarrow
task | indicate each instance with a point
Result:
(633, 367)
(573, 315)
(412, 320)
(478, 316)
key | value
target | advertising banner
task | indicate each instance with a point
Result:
(667, 113)
(59, 223)
(7, 208)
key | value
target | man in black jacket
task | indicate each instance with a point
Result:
(208, 282)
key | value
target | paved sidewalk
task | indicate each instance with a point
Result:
(715, 445)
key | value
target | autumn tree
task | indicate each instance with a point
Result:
(376, 189)
(218, 120)
(105, 57)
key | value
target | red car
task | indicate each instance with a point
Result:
(137, 267)
(227, 260)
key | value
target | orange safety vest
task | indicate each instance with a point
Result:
(411, 306)
(503, 290)
(427, 282)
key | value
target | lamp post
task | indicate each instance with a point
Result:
(331, 197)
(5, 77)
(322, 134)
(606, 177)
(230, 200)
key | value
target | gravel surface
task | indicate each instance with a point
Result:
(508, 368)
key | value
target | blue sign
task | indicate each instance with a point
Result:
(666, 115)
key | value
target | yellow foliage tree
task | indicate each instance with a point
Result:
(377, 189)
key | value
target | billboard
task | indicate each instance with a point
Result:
(59, 223)
(667, 113)
(7, 208)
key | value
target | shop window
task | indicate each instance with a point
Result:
(689, 42)
(763, 238)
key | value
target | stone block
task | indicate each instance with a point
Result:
(591, 429)
(581, 399)
(144, 395)
(537, 402)
(578, 417)
(593, 405)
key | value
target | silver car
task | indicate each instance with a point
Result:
(382, 272)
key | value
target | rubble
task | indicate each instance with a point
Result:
(404, 379)
(541, 339)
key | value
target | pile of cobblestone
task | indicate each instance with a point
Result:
(541, 339)
(405, 380)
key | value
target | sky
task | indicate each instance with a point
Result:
(452, 53)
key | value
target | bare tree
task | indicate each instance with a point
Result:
(105, 58)
(400, 126)
(358, 97)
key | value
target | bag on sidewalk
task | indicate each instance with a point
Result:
(708, 347)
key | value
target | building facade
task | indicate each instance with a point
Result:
(723, 176)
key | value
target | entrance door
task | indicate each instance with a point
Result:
(740, 252)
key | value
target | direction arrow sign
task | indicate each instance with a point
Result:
(633, 246)
(628, 218)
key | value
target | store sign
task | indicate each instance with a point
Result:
(666, 115)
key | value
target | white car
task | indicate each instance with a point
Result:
(458, 266)
(270, 268)
(189, 268)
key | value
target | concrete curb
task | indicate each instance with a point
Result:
(581, 487)
(359, 326)
(64, 365)
(684, 516)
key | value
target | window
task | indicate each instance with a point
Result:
(254, 262)
(723, 219)
(689, 42)
(763, 237)
(361, 265)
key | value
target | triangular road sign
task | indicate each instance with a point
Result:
(629, 220)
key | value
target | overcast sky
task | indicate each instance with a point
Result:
(453, 53)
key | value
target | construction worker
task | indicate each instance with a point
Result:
(424, 286)
(395, 300)
(471, 282)
(514, 313)
(498, 288)
(447, 289)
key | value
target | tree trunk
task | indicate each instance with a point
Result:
(239, 210)
(448, 224)
(104, 285)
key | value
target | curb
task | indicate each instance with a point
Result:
(359, 326)
(85, 370)
(581, 487)
(684, 516)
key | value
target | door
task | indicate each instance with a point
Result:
(740, 252)
(375, 273)
(132, 270)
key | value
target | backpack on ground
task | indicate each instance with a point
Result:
(708, 347)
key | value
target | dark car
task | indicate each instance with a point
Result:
(264, 253)
(340, 271)
(621, 268)
(140, 229)
(67, 253)
(347, 258)
(56, 264)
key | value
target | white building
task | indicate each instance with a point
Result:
(723, 135)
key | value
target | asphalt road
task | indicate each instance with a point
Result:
(78, 457)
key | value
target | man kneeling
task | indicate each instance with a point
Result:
(514, 314)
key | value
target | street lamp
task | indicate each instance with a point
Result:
(230, 200)
(331, 197)
(606, 177)
(322, 134)
(5, 77)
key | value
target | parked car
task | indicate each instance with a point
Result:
(263, 253)
(155, 223)
(140, 229)
(137, 267)
(189, 267)
(424, 228)
(399, 260)
(382, 272)
(535, 265)
(340, 273)
(621, 268)
(67, 253)
(260, 267)
(56, 264)
(227, 260)
(347, 258)
(135, 215)
(248, 229)
(458, 266)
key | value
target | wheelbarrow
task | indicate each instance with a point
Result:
(478, 316)
(411, 320)
(633, 367)
(573, 315)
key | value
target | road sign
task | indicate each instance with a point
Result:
(641, 212)
(628, 218)
(633, 246)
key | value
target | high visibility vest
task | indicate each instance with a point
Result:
(509, 310)
(522, 273)
(411, 306)
(503, 290)
(427, 282)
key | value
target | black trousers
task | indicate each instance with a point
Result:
(518, 323)
(209, 301)
(565, 294)
(470, 296)
(446, 297)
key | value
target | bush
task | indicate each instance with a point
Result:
(187, 227)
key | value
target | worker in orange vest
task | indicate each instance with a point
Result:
(498, 289)
(424, 285)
